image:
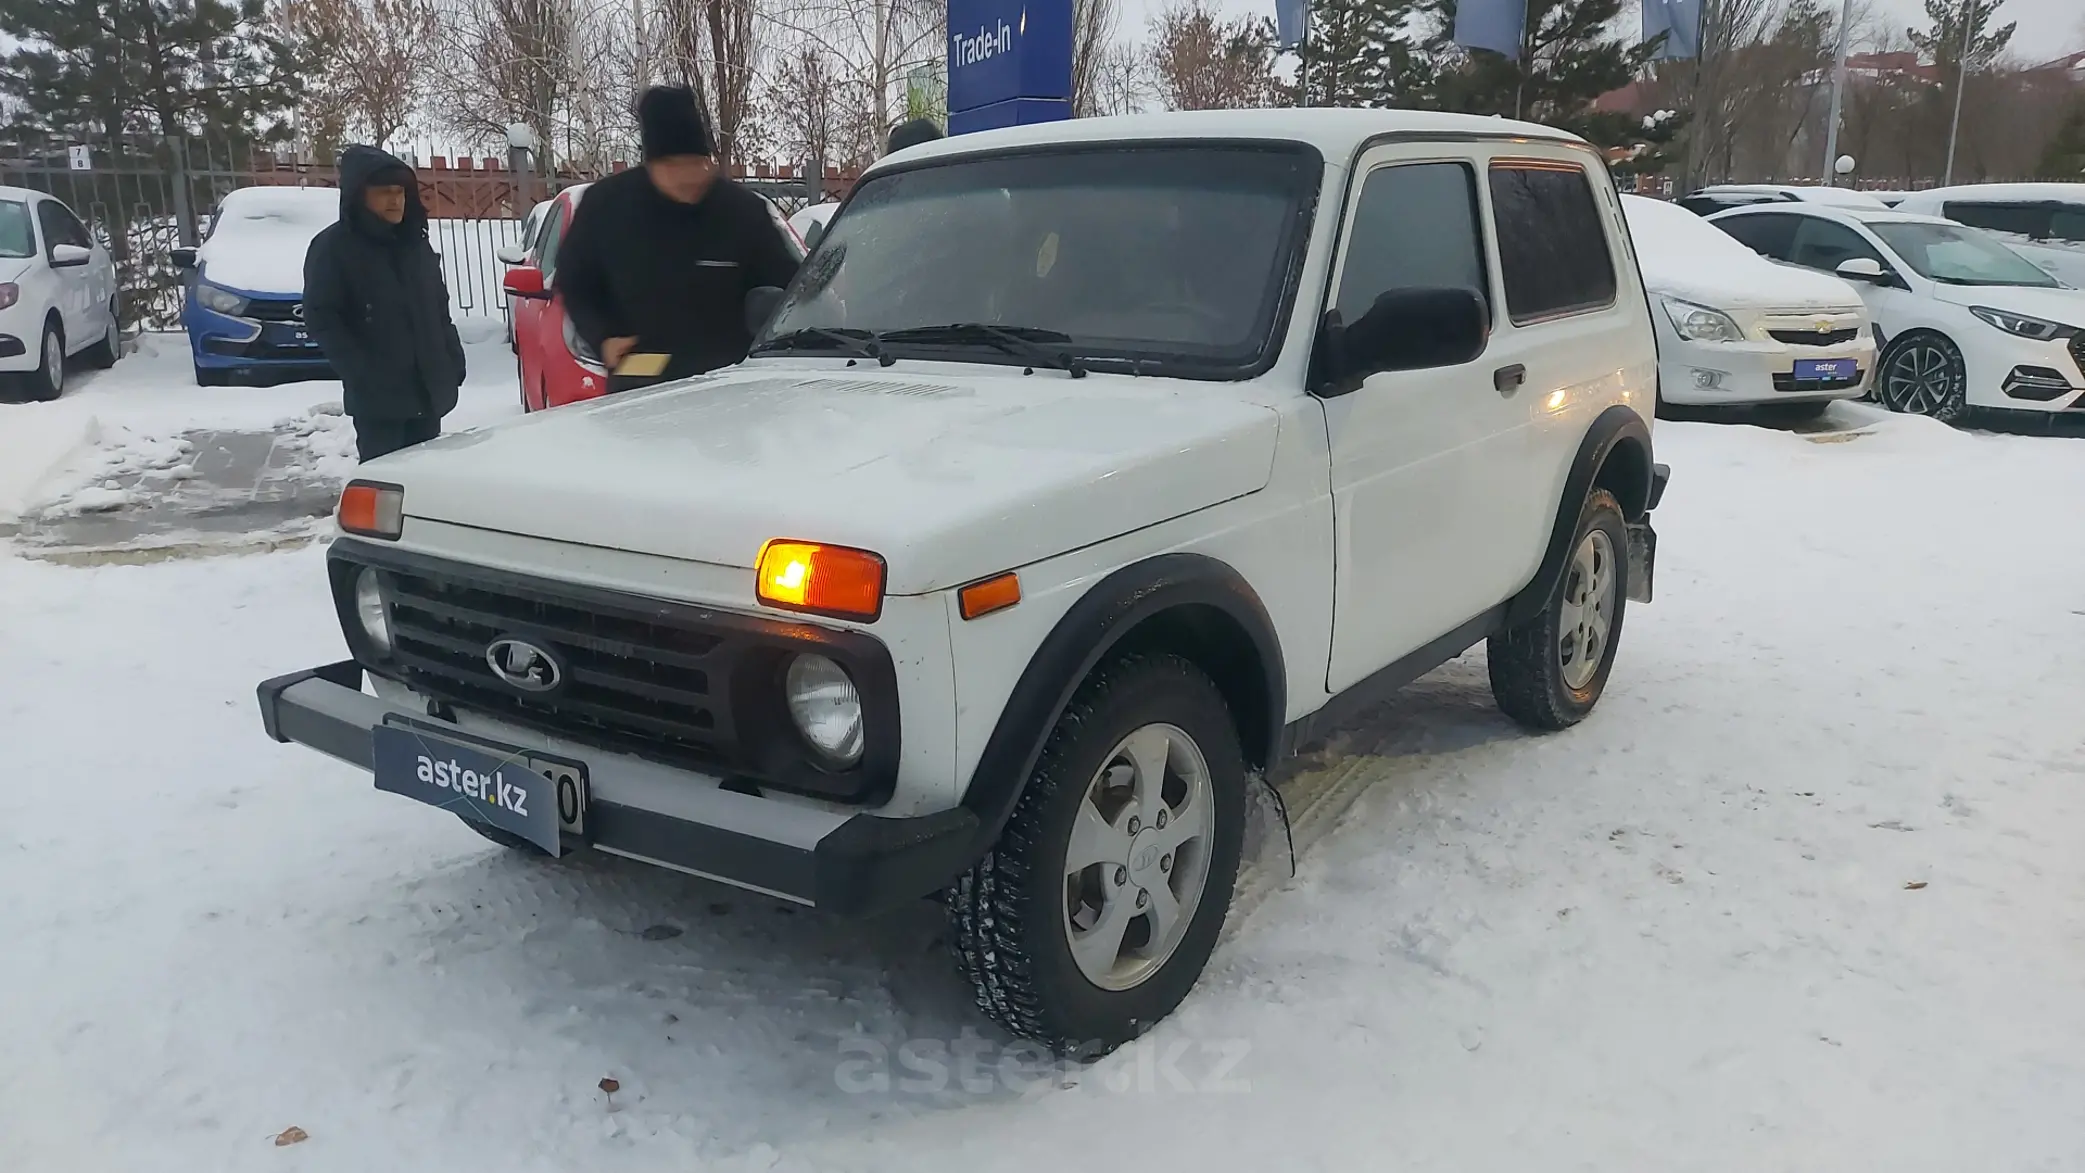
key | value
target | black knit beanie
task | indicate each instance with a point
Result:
(912, 134)
(670, 122)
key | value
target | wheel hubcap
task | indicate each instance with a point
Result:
(1138, 858)
(1588, 612)
(1921, 380)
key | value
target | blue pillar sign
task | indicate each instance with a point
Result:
(1009, 63)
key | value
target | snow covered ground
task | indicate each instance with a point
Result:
(1805, 893)
(133, 417)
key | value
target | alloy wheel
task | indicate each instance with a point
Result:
(1138, 857)
(1921, 379)
(1587, 616)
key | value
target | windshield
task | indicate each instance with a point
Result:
(1154, 259)
(1956, 255)
(16, 239)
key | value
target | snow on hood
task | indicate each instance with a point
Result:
(258, 239)
(1684, 256)
(949, 474)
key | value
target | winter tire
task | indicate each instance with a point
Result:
(1096, 911)
(1922, 374)
(47, 381)
(103, 354)
(1548, 672)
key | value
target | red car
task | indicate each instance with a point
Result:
(556, 365)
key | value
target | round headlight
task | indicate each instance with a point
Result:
(369, 608)
(826, 708)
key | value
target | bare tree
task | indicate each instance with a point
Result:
(1121, 84)
(1092, 33)
(875, 45)
(715, 47)
(367, 65)
(507, 61)
(804, 99)
(1201, 62)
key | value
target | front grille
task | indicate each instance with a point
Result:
(275, 311)
(646, 687)
(1815, 337)
(1788, 382)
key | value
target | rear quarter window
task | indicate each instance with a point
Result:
(1553, 248)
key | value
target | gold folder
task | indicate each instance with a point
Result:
(643, 366)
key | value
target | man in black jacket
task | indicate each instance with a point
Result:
(659, 258)
(375, 301)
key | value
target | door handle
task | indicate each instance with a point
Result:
(1507, 380)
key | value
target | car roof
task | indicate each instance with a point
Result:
(2002, 193)
(1336, 133)
(23, 194)
(1805, 193)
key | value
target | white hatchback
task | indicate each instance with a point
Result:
(57, 293)
(1962, 320)
(1736, 328)
(2044, 222)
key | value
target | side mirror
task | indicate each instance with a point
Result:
(1405, 330)
(69, 256)
(525, 281)
(184, 258)
(761, 303)
(1862, 269)
(513, 254)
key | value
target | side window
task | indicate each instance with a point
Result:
(2021, 219)
(1768, 235)
(1822, 244)
(2068, 223)
(553, 234)
(1553, 249)
(48, 218)
(1415, 225)
(75, 232)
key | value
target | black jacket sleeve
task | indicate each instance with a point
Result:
(769, 259)
(582, 277)
(329, 313)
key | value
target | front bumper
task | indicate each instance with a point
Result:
(1709, 373)
(850, 864)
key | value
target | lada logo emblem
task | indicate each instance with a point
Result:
(523, 665)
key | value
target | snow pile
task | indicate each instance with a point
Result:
(260, 235)
(37, 440)
(1684, 256)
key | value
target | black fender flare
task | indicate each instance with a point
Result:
(1618, 427)
(1094, 627)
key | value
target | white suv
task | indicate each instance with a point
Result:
(1083, 471)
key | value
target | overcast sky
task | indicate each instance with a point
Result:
(2048, 28)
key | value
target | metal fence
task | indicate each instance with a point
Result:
(145, 195)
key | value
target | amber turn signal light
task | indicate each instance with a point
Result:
(992, 594)
(822, 580)
(371, 509)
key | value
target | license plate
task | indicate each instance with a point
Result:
(540, 798)
(1818, 370)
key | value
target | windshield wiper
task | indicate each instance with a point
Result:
(860, 343)
(1027, 342)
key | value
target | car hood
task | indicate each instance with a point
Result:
(2057, 305)
(948, 477)
(1748, 287)
(12, 268)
